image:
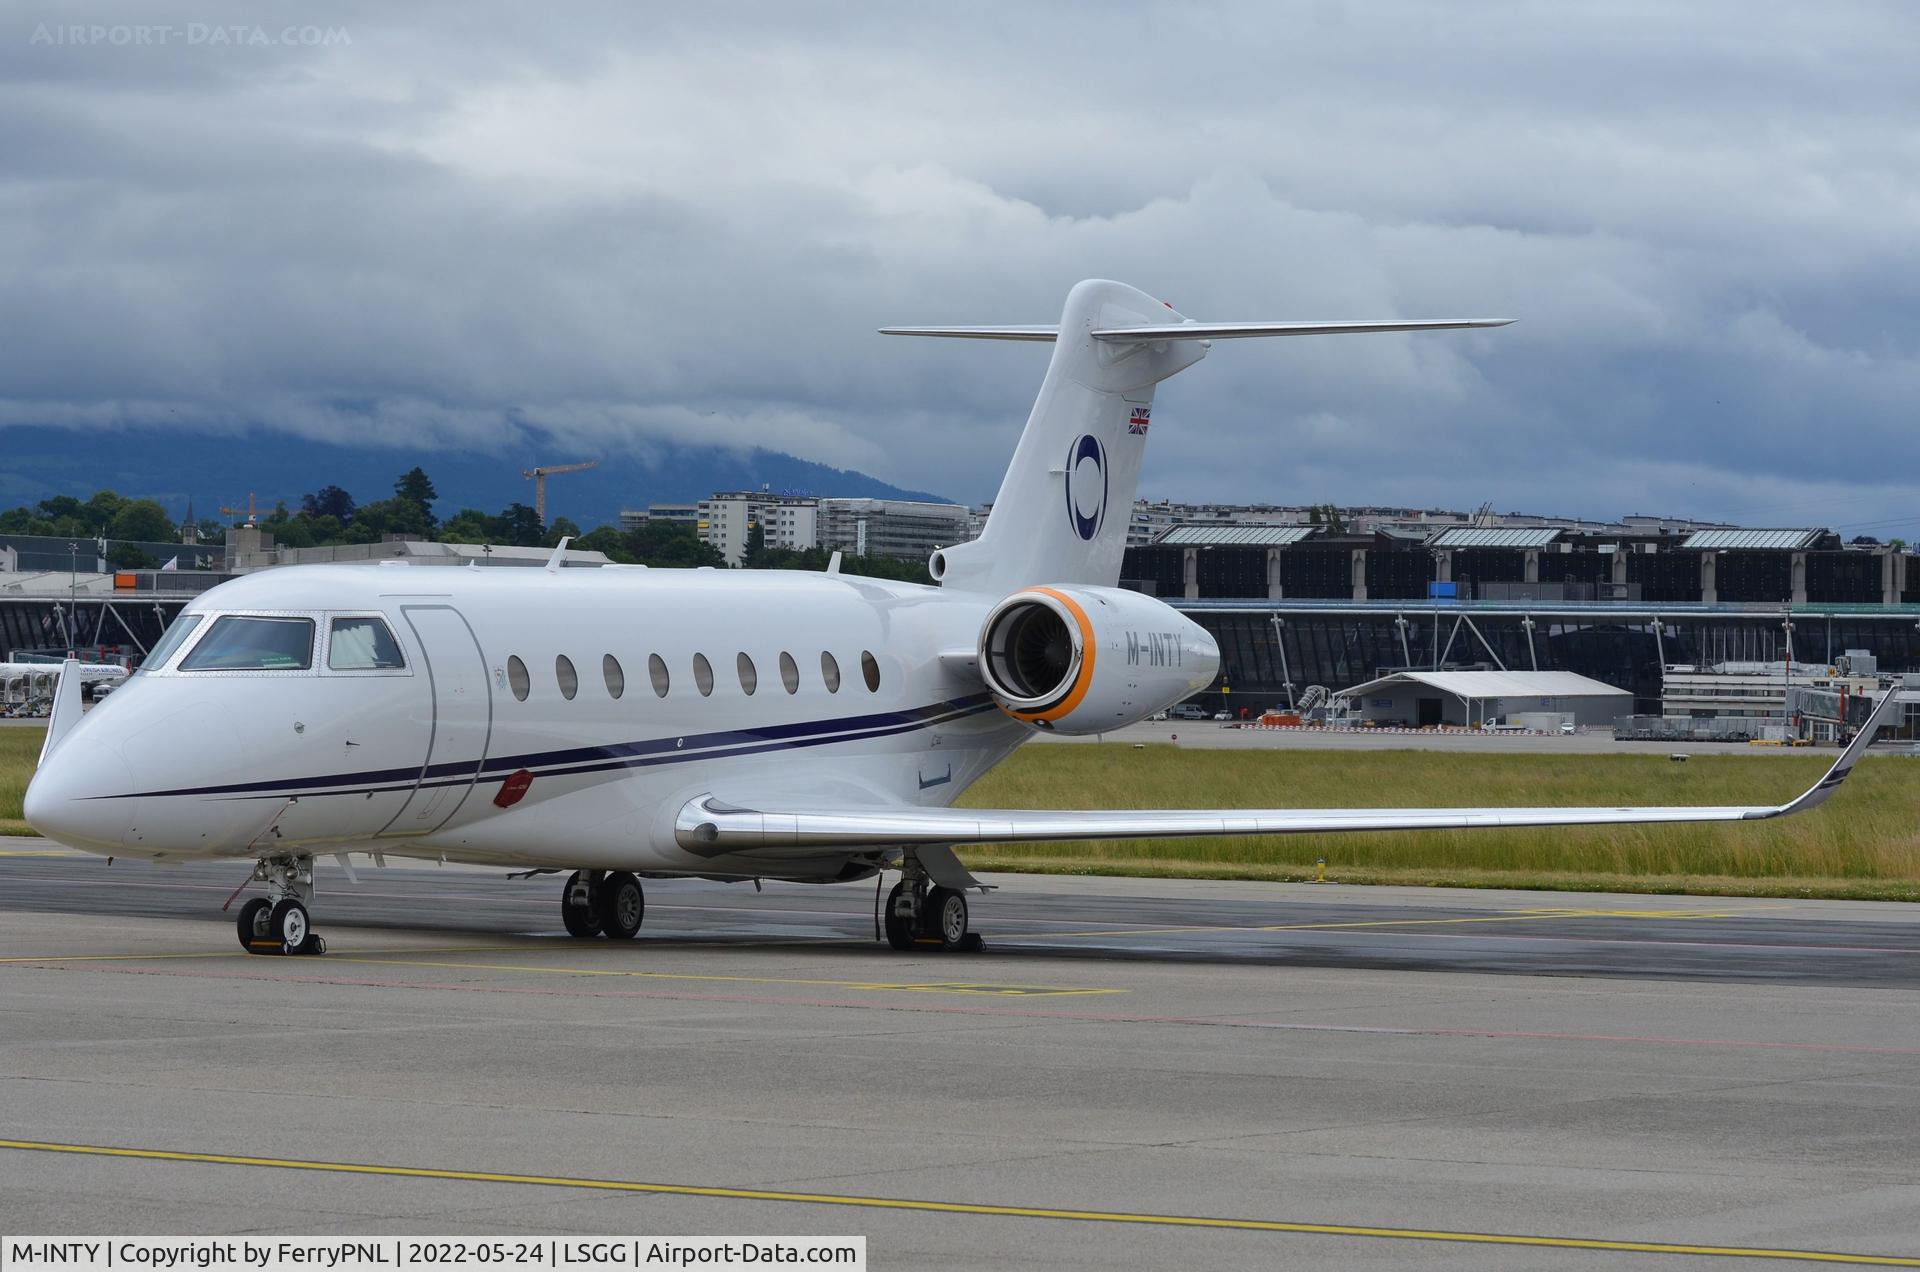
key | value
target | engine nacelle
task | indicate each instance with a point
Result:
(1091, 659)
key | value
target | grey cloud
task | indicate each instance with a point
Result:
(631, 226)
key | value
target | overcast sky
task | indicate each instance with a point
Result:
(446, 224)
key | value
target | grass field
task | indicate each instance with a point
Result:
(19, 749)
(1865, 842)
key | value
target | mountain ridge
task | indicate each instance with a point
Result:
(176, 466)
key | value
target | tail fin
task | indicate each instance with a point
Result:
(1062, 512)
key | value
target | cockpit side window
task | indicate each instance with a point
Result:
(245, 643)
(170, 641)
(362, 644)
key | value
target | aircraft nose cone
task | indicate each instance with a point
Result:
(81, 796)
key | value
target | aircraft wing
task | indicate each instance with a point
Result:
(712, 825)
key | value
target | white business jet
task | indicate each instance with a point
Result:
(626, 723)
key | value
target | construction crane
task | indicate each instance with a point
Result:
(540, 476)
(252, 512)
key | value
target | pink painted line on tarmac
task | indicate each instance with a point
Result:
(921, 1005)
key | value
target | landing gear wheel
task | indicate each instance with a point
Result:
(943, 917)
(254, 937)
(622, 906)
(899, 930)
(289, 926)
(581, 920)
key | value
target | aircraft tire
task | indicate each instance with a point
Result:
(622, 906)
(252, 925)
(899, 931)
(290, 926)
(581, 921)
(944, 915)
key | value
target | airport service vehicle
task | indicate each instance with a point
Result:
(624, 724)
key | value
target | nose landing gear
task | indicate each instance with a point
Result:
(278, 922)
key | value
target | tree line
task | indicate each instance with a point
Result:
(330, 516)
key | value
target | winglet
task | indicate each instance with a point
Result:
(67, 706)
(559, 553)
(1822, 790)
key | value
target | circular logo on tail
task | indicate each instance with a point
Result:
(1087, 486)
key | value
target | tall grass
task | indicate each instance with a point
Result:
(1869, 831)
(19, 750)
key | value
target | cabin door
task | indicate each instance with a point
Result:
(462, 719)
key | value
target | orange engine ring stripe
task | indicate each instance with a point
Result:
(1084, 680)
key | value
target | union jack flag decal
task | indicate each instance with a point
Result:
(1142, 416)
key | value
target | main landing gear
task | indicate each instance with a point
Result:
(278, 922)
(597, 902)
(921, 914)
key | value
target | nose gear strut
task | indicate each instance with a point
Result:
(278, 923)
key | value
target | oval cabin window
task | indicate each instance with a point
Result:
(563, 672)
(657, 673)
(830, 672)
(615, 674)
(870, 669)
(517, 678)
(789, 673)
(703, 675)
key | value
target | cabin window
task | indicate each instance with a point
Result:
(789, 672)
(616, 676)
(517, 678)
(830, 671)
(362, 644)
(170, 641)
(564, 673)
(749, 678)
(703, 675)
(870, 669)
(657, 672)
(235, 643)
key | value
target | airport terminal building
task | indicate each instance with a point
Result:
(1295, 605)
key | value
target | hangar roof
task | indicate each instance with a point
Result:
(1496, 537)
(1496, 684)
(1775, 540)
(1263, 536)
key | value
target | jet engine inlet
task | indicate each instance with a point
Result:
(1031, 652)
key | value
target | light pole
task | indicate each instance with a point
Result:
(73, 597)
(1286, 675)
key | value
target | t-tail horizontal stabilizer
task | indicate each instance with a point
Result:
(713, 826)
(1153, 333)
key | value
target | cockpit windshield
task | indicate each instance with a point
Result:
(246, 643)
(170, 640)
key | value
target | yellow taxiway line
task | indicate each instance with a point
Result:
(400, 959)
(933, 987)
(969, 1208)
